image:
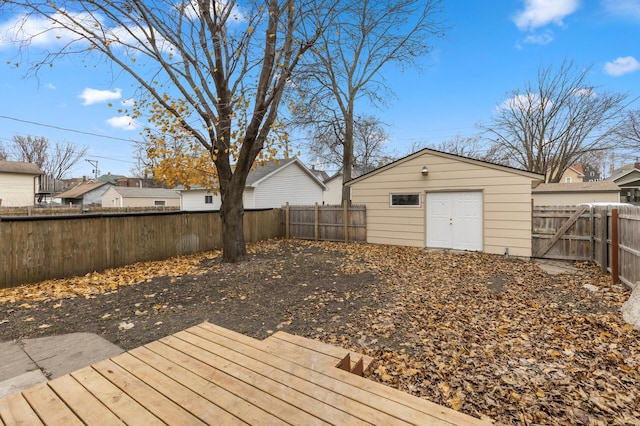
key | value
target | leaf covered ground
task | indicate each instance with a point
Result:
(483, 334)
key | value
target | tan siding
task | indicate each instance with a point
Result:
(506, 196)
(17, 190)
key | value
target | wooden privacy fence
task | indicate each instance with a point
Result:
(325, 222)
(609, 236)
(37, 248)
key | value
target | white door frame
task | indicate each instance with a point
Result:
(464, 236)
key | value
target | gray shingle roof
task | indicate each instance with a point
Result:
(79, 190)
(20, 168)
(127, 192)
(599, 186)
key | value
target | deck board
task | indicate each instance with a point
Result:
(220, 396)
(161, 406)
(86, 406)
(210, 375)
(112, 397)
(336, 385)
(15, 410)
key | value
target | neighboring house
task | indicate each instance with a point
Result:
(439, 200)
(19, 183)
(573, 174)
(628, 179)
(570, 194)
(591, 174)
(109, 178)
(198, 198)
(85, 194)
(333, 194)
(118, 196)
(271, 185)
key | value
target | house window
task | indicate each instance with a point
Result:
(159, 203)
(208, 199)
(568, 180)
(405, 200)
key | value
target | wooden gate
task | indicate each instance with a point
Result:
(563, 232)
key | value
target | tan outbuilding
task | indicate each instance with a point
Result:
(570, 194)
(439, 200)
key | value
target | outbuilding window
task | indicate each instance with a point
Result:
(405, 200)
(208, 199)
(159, 203)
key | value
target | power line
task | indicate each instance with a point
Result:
(66, 129)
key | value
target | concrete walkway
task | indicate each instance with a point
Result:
(25, 363)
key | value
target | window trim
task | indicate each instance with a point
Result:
(412, 206)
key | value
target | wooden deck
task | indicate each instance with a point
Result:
(210, 375)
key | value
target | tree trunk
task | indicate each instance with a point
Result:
(347, 157)
(232, 215)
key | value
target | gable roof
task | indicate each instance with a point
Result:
(599, 186)
(338, 174)
(578, 169)
(80, 190)
(508, 169)
(622, 172)
(270, 168)
(18, 167)
(128, 192)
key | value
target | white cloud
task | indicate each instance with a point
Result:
(123, 122)
(538, 13)
(128, 102)
(544, 38)
(621, 66)
(585, 93)
(523, 103)
(622, 8)
(50, 86)
(41, 31)
(93, 96)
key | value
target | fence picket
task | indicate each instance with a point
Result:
(590, 238)
(38, 248)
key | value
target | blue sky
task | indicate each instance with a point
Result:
(490, 49)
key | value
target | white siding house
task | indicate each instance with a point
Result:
(333, 194)
(439, 200)
(19, 183)
(119, 196)
(271, 185)
(84, 194)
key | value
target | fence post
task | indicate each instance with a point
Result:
(345, 219)
(604, 245)
(316, 223)
(286, 220)
(614, 246)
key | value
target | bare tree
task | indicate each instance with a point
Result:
(30, 149)
(348, 62)
(62, 157)
(4, 155)
(54, 161)
(629, 132)
(211, 70)
(472, 147)
(551, 123)
(369, 140)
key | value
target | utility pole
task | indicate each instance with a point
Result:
(95, 167)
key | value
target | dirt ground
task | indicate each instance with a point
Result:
(483, 334)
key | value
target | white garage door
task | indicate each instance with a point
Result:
(454, 220)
